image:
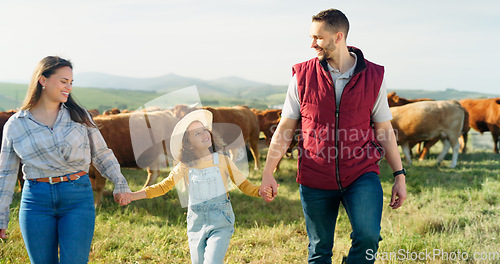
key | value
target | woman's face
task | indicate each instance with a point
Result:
(198, 136)
(58, 85)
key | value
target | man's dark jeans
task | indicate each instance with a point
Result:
(362, 201)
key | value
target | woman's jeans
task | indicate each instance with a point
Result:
(57, 216)
(362, 201)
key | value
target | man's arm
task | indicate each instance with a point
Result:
(385, 135)
(279, 144)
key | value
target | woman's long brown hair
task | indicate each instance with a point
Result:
(46, 67)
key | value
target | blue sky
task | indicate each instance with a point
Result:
(430, 45)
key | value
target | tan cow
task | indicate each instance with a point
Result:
(426, 120)
(484, 115)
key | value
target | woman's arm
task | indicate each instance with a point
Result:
(9, 167)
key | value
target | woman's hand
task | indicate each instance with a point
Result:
(123, 198)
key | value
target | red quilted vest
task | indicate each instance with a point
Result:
(338, 143)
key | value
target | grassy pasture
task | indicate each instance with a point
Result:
(454, 211)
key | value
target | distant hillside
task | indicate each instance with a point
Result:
(12, 96)
(447, 94)
(229, 86)
(220, 92)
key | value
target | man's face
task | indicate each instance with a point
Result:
(323, 40)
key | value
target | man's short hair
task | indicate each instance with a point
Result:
(334, 19)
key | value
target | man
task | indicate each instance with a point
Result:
(341, 101)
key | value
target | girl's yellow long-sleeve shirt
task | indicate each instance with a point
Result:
(181, 170)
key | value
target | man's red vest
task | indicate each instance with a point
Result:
(338, 142)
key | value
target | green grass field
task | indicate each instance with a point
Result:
(455, 211)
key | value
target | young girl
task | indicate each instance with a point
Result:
(210, 219)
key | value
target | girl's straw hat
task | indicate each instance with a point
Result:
(204, 116)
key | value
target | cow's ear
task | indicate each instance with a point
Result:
(498, 101)
(391, 94)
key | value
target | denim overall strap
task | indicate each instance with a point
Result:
(207, 185)
(216, 158)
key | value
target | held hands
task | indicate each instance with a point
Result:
(123, 198)
(267, 193)
(268, 188)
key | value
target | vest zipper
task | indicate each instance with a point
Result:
(337, 172)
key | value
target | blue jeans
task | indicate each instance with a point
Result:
(57, 216)
(362, 201)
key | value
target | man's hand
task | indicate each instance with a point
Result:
(398, 192)
(123, 198)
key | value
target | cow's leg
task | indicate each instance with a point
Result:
(20, 179)
(406, 151)
(463, 143)
(494, 135)
(152, 176)
(455, 148)
(254, 148)
(446, 147)
(98, 182)
(427, 147)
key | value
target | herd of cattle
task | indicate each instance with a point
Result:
(420, 121)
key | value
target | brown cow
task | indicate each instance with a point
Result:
(246, 120)
(113, 111)
(484, 115)
(426, 120)
(94, 112)
(118, 131)
(268, 121)
(395, 100)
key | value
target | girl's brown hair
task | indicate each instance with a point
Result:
(188, 154)
(46, 67)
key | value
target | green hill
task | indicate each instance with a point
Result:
(260, 96)
(12, 96)
(447, 94)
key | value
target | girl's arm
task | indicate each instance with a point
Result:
(238, 178)
(139, 195)
(177, 173)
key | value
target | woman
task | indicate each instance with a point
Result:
(56, 140)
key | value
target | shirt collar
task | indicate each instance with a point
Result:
(27, 113)
(348, 73)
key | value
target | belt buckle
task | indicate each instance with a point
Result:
(60, 178)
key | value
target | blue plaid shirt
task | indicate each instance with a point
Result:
(66, 148)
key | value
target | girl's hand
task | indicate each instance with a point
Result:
(2, 233)
(268, 192)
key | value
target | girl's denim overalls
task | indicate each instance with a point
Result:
(210, 218)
